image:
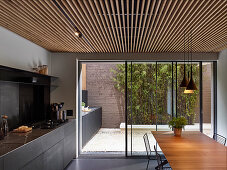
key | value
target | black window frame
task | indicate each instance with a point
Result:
(214, 90)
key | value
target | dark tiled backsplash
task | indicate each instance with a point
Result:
(9, 102)
(23, 103)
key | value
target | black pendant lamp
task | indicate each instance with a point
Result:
(188, 91)
(184, 82)
(191, 84)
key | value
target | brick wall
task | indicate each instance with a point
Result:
(206, 95)
(101, 92)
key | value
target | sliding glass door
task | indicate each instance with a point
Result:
(141, 90)
(154, 97)
(102, 111)
(135, 98)
(188, 105)
(150, 102)
(165, 105)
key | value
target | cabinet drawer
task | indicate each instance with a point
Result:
(53, 158)
(36, 164)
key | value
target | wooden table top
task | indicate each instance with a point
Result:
(193, 150)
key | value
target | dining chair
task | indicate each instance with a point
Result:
(161, 162)
(219, 138)
(148, 149)
(147, 146)
(149, 156)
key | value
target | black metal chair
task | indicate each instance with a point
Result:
(161, 162)
(147, 146)
(219, 138)
(148, 149)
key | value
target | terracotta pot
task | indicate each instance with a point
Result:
(177, 131)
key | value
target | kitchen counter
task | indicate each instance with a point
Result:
(46, 149)
(40, 149)
(15, 140)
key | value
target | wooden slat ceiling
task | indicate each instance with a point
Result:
(118, 25)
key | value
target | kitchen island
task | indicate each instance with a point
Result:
(39, 149)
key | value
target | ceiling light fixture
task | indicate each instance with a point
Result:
(191, 85)
(78, 34)
(184, 82)
(188, 91)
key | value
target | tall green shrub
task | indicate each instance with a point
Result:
(142, 92)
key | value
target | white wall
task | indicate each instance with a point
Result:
(18, 52)
(222, 93)
(64, 67)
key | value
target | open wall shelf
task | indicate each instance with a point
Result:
(22, 76)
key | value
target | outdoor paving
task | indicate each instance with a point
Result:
(113, 140)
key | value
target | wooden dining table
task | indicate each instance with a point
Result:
(193, 150)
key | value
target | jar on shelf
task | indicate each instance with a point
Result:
(35, 70)
(40, 68)
(45, 69)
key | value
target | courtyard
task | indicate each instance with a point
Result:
(113, 139)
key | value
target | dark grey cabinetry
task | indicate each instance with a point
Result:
(52, 151)
(91, 123)
(69, 144)
(1, 163)
(53, 138)
(54, 158)
(36, 164)
(22, 155)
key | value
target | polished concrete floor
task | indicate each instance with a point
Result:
(111, 164)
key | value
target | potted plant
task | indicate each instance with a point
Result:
(83, 105)
(177, 124)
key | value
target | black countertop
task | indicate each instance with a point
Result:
(14, 140)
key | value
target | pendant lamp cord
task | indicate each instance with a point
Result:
(191, 53)
(188, 53)
(184, 53)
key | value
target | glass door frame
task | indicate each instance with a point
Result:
(214, 96)
(79, 101)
